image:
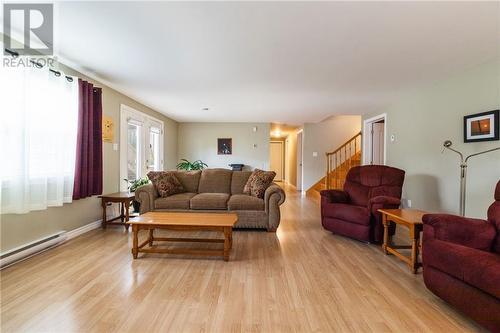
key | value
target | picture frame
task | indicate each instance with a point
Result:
(482, 126)
(224, 146)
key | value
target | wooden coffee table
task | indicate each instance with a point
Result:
(183, 221)
(411, 219)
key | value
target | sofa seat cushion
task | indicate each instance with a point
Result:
(245, 202)
(209, 201)
(477, 268)
(176, 201)
(346, 212)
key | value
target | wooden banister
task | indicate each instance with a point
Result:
(339, 161)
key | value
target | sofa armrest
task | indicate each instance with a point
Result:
(273, 198)
(146, 196)
(473, 233)
(334, 196)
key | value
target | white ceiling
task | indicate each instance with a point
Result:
(288, 62)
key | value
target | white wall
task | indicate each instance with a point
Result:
(422, 119)
(199, 141)
(323, 137)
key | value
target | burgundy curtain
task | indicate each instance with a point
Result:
(88, 169)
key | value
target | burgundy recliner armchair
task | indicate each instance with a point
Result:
(461, 259)
(353, 212)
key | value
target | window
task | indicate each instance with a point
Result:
(142, 150)
(39, 113)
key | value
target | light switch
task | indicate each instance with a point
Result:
(115, 146)
(315, 154)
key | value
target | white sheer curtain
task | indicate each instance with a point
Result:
(38, 124)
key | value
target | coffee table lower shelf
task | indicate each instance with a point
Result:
(148, 245)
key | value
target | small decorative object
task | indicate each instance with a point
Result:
(481, 126)
(107, 129)
(132, 186)
(224, 146)
(196, 165)
(463, 171)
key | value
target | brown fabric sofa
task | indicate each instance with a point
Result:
(215, 190)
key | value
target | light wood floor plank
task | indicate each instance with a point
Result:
(301, 279)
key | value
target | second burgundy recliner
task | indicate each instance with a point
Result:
(353, 212)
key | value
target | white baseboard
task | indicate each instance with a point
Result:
(83, 229)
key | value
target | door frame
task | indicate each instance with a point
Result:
(282, 143)
(367, 138)
(300, 160)
(125, 112)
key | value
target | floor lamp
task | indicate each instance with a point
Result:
(463, 171)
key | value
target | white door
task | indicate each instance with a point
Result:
(141, 145)
(276, 159)
(299, 161)
(377, 143)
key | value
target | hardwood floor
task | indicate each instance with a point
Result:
(300, 279)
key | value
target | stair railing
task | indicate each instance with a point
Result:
(339, 161)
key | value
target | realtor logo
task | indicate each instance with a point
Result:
(32, 25)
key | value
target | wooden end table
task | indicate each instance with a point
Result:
(411, 219)
(122, 198)
(183, 221)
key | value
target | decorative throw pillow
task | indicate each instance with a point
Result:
(165, 183)
(258, 182)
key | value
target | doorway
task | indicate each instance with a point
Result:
(277, 160)
(374, 140)
(141, 145)
(299, 159)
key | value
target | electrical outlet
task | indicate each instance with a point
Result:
(115, 146)
(406, 203)
(315, 154)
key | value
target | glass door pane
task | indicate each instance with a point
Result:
(153, 149)
(133, 151)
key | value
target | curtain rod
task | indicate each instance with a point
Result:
(38, 65)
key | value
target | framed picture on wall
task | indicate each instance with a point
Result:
(224, 146)
(481, 126)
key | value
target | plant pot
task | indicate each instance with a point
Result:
(136, 205)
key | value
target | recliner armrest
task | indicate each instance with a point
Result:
(383, 201)
(474, 233)
(335, 196)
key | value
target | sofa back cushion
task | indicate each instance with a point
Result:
(494, 217)
(238, 181)
(189, 180)
(368, 181)
(215, 181)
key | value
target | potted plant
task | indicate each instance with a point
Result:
(196, 165)
(132, 186)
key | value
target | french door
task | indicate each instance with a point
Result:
(141, 145)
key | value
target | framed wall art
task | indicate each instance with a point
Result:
(481, 126)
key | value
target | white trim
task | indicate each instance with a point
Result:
(83, 229)
(145, 121)
(300, 164)
(367, 147)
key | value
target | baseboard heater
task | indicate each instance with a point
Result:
(26, 251)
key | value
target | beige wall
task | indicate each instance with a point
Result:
(199, 141)
(323, 137)
(20, 229)
(422, 119)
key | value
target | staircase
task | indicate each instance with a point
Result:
(338, 163)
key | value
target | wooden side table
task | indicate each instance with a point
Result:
(122, 198)
(411, 219)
